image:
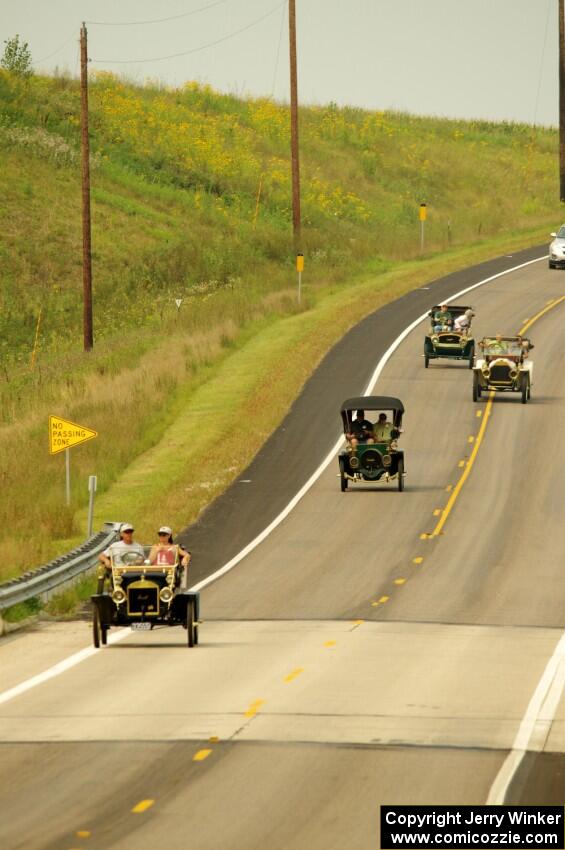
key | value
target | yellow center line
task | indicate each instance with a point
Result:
(418, 560)
(437, 512)
(213, 739)
(468, 466)
(254, 708)
(424, 536)
(399, 581)
(83, 833)
(201, 755)
(142, 806)
(357, 623)
(330, 643)
(294, 674)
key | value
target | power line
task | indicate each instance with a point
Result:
(156, 20)
(194, 49)
(45, 58)
(278, 49)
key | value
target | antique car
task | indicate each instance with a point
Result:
(503, 366)
(144, 591)
(371, 452)
(445, 340)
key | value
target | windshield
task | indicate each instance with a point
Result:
(501, 347)
(561, 232)
(135, 555)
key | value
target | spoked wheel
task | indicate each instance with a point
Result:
(400, 475)
(471, 358)
(96, 630)
(525, 390)
(343, 477)
(426, 361)
(190, 623)
(99, 630)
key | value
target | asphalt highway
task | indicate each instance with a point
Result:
(377, 648)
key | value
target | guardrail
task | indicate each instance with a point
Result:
(46, 578)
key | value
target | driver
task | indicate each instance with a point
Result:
(496, 345)
(117, 550)
(361, 430)
(442, 318)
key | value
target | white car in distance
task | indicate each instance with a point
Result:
(557, 249)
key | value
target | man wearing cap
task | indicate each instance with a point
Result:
(116, 551)
(442, 318)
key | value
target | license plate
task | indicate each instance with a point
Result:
(140, 627)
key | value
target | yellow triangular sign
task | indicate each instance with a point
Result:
(64, 434)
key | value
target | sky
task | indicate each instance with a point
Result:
(490, 59)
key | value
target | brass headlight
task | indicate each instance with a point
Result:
(386, 460)
(354, 462)
(118, 596)
(513, 373)
(165, 594)
(485, 370)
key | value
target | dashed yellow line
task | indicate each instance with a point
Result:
(399, 581)
(358, 622)
(418, 560)
(424, 536)
(213, 739)
(201, 755)
(461, 464)
(329, 643)
(294, 674)
(83, 833)
(479, 413)
(529, 322)
(437, 512)
(471, 439)
(142, 806)
(254, 707)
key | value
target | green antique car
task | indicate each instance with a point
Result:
(371, 452)
(450, 336)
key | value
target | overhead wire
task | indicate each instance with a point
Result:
(45, 58)
(284, 5)
(194, 49)
(542, 62)
(156, 20)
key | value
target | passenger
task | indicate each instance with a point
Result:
(115, 551)
(463, 322)
(442, 318)
(361, 430)
(383, 429)
(165, 553)
(497, 345)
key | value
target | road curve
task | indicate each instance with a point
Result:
(350, 660)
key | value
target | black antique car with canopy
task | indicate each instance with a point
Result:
(371, 452)
(449, 336)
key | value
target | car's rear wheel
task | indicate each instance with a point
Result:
(525, 389)
(426, 361)
(96, 630)
(551, 265)
(190, 623)
(400, 475)
(343, 477)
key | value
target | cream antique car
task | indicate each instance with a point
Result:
(503, 365)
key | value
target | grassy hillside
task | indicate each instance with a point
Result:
(191, 196)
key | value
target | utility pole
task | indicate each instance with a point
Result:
(296, 224)
(86, 229)
(561, 100)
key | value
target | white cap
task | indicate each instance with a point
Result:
(126, 526)
(165, 530)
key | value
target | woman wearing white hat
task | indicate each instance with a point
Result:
(165, 552)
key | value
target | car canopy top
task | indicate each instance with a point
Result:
(455, 310)
(371, 402)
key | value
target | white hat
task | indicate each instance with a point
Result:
(126, 526)
(165, 530)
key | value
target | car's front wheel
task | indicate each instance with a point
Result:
(551, 265)
(476, 388)
(343, 477)
(190, 624)
(525, 389)
(401, 475)
(96, 629)
(471, 358)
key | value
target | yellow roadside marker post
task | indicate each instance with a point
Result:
(422, 216)
(299, 269)
(63, 435)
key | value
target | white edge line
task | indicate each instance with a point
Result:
(83, 654)
(541, 708)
